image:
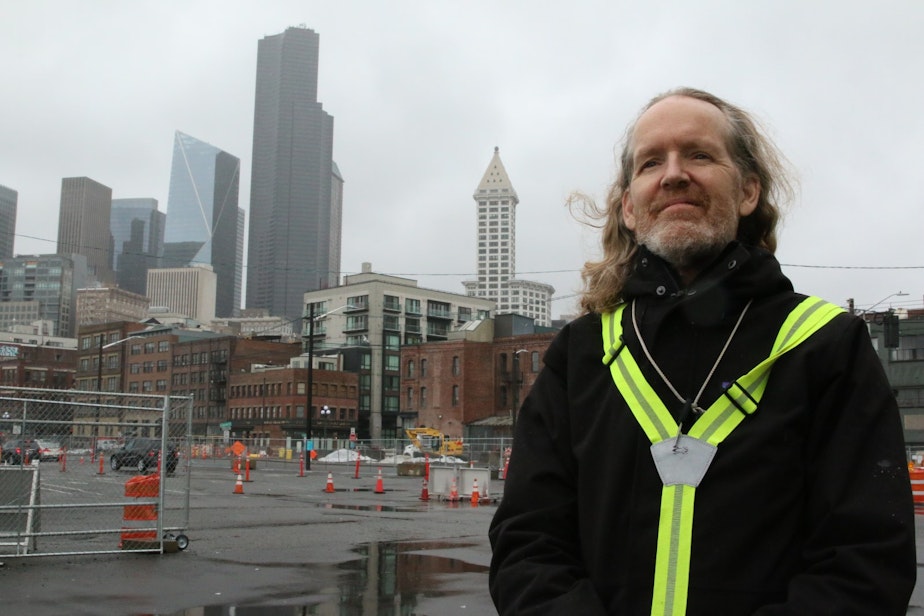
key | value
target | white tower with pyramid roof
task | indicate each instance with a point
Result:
(497, 200)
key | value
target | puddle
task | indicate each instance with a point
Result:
(387, 579)
(429, 506)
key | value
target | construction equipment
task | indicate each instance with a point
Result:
(431, 440)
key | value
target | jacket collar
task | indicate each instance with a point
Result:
(740, 273)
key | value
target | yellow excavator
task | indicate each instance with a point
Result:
(431, 440)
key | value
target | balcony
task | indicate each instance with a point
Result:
(439, 313)
(437, 330)
(391, 306)
(357, 304)
(354, 325)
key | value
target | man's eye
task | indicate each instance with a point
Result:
(647, 164)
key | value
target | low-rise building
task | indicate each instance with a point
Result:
(108, 304)
(267, 404)
(456, 385)
(375, 315)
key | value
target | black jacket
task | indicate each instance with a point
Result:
(806, 508)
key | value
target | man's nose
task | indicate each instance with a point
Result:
(675, 173)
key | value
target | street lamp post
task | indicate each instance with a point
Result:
(325, 414)
(870, 309)
(310, 385)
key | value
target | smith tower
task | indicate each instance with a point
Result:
(295, 195)
(497, 248)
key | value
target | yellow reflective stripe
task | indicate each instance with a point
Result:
(807, 318)
(648, 409)
(672, 565)
(675, 525)
(723, 415)
(611, 341)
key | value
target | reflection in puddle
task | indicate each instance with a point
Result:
(391, 508)
(388, 579)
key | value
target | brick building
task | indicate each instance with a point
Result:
(29, 365)
(268, 403)
(163, 360)
(454, 384)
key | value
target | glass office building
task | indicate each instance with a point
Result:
(204, 223)
(296, 190)
(137, 228)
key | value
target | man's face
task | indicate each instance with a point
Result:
(685, 194)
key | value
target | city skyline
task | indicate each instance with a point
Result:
(422, 94)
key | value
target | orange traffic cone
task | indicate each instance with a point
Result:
(239, 486)
(454, 491)
(330, 483)
(379, 488)
(475, 496)
(425, 491)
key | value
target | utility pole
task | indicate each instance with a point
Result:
(516, 388)
(309, 394)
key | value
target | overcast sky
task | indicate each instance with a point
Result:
(421, 92)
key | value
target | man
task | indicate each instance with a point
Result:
(704, 440)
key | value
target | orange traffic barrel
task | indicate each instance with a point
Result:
(137, 531)
(917, 485)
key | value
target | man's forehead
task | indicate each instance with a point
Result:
(680, 118)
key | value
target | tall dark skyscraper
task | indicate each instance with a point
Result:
(204, 222)
(8, 201)
(138, 241)
(83, 225)
(296, 190)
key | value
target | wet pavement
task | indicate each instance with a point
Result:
(285, 547)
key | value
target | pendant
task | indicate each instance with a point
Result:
(683, 460)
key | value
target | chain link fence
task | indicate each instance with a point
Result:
(85, 472)
(490, 453)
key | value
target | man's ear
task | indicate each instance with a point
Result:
(628, 211)
(750, 195)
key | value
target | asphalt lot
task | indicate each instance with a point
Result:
(286, 546)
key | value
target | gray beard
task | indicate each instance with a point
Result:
(687, 250)
(687, 255)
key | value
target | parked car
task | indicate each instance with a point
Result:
(49, 450)
(107, 444)
(17, 451)
(141, 454)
